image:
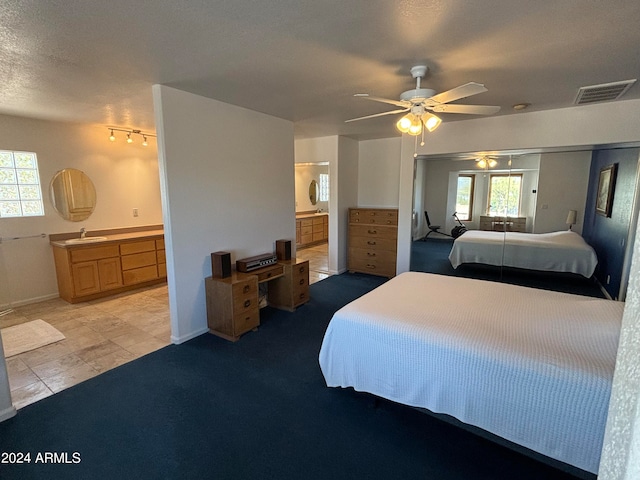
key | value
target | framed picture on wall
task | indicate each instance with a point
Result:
(606, 187)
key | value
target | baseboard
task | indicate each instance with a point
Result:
(7, 413)
(185, 338)
(29, 301)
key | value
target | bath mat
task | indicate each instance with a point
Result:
(28, 336)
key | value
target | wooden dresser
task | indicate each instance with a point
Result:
(373, 236)
(233, 302)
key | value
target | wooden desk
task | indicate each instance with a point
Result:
(233, 302)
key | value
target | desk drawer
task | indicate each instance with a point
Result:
(245, 321)
(373, 231)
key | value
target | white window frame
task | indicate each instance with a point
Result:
(20, 186)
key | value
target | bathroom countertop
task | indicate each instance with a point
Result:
(309, 214)
(114, 235)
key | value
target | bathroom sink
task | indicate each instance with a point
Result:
(76, 241)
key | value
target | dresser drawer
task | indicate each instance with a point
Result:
(378, 265)
(372, 231)
(375, 243)
(300, 295)
(273, 271)
(373, 216)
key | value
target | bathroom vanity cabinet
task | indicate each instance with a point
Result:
(311, 228)
(120, 262)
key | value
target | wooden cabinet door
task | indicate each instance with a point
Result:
(110, 273)
(86, 279)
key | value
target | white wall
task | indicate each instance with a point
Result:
(563, 184)
(223, 189)
(125, 177)
(379, 173)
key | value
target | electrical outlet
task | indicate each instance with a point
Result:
(135, 212)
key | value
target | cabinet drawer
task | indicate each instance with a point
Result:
(299, 271)
(139, 275)
(372, 231)
(139, 260)
(306, 222)
(375, 265)
(318, 228)
(317, 221)
(374, 243)
(162, 270)
(246, 321)
(160, 255)
(306, 239)
(308, 230)
(94, 253)
(272, 272)
(244, 290)
(137, 247)
(160, 244)
(372, 216)
(300, 295)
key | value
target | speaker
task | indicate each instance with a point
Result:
(283, 249)
(221, 264)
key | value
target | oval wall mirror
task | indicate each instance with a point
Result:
(73, 194)
(313, 192)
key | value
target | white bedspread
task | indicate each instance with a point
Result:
(564, 251)
(532, 366)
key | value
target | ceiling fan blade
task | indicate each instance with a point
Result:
(397, 103)
(378, 115)
(463, 91)
(470, 109)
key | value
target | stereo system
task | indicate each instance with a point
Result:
(253, 263)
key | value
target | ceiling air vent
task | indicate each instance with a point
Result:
(602, 93)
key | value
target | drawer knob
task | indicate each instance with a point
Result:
(371, 243)
(246, 289)
(301, 270)
(371, 254)
(247, 303)
(302, 281)
(302, 295)
(373, 232)
(372, 267)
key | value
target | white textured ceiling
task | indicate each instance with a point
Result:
(95, 61)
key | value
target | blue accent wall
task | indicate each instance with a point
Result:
(608, 235)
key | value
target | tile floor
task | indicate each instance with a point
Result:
(318, 256)
(100, 335)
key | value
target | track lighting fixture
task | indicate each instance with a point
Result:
(129, 133)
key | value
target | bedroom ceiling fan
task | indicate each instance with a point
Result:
(419, 102)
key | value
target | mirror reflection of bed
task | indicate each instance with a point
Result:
(550, 189)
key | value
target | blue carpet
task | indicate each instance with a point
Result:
(254, 409)
(432, 256)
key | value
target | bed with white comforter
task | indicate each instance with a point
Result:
(534, 367)
(564, 251)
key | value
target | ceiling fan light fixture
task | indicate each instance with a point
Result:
(405, 123)
(431, 121)
(416, 126)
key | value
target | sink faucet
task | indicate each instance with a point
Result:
(83, 232)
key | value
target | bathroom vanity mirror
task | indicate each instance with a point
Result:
(313, 192)
(73, 194)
